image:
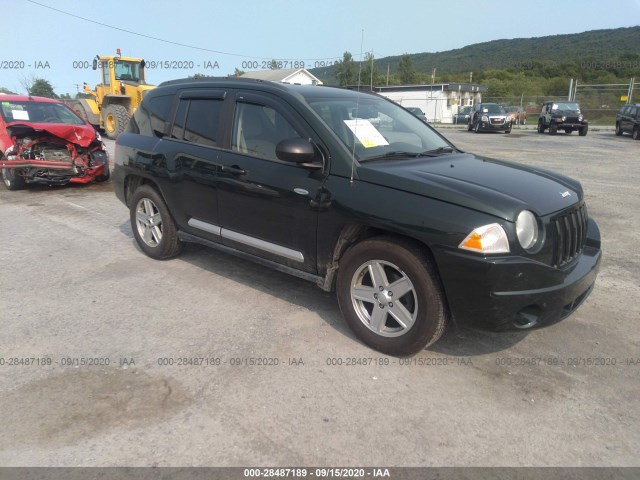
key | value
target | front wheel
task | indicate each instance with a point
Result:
(618, 129)
(12, 179)
(116, 118)
(152, 225)
(540, 126)
(636, 133)
(389, 295)
(583, 131)
(553, 129)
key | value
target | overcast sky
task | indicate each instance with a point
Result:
(242, 34)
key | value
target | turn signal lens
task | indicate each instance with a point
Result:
(487, 239)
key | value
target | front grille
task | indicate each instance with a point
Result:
(497, 121)
(569, 230)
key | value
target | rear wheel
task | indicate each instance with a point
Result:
(618, 129)
(636, 133)
(540, 126)
(389, 295)
(116, 118)
(152, 224)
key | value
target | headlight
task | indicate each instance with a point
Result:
(564, 119)
(485, 118)
(580, 118)
(487, 239)
(527, 229)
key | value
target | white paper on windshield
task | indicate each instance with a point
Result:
(20, 114)
(366, 133)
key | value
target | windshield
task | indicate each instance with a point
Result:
(374, 127)
(129, 71)
(566, 106)
(39, 112)
(492, 108)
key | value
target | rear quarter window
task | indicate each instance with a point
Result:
(151, 117)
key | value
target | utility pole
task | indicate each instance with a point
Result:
(470, 77)
(433, 76)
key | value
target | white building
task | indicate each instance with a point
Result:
(290, 75)
(440, 102)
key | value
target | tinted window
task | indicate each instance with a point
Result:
(258, 129)
(159, 111)
(178, 123)
(203, 120)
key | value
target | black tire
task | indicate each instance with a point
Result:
(553, 129)
(618, 129)
(168, 244)
(116, 118)
(508, 130)
(541, 126)
(399, 260)
(12, 179)
(101, 157)
(583, 130)
(636, 133)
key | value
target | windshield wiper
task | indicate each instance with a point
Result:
(400, 154)
(438, 151)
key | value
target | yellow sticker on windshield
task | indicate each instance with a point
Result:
(366, 133)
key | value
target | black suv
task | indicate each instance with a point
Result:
(408, 230)
(628, 121)
(562, 116)
(489, 117)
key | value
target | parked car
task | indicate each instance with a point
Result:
(628, 121)
(418, 113)
(517, 114)
(489, 117)
(562, 116)
(462, 117)
(43, 141)
(409, 231)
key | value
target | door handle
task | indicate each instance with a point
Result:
(234, 170)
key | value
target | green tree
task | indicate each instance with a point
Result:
(7, 91)
(42, 88)
(406, 70)
(369, 74)
(238, 73)
(346, 70)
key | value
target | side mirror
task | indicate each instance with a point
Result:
(296, 150)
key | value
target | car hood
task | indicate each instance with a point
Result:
(82, 135)
(492, 186)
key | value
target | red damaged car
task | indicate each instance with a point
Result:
(43, 141)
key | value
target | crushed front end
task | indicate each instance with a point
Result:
(52, 157)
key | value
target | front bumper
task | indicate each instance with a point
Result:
(512, 293)
(497, 127)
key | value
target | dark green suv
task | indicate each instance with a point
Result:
(410, 231)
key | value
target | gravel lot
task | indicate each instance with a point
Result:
(75, 286)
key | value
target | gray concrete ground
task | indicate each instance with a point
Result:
(74, 286)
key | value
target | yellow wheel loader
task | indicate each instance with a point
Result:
(115, 99)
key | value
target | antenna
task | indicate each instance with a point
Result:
(353, 149)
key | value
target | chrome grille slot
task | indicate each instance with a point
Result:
(570, 235)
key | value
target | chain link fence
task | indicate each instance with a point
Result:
(598, 102)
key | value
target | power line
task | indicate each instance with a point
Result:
(170, 41)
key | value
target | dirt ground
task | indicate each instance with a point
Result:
(94, 332)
